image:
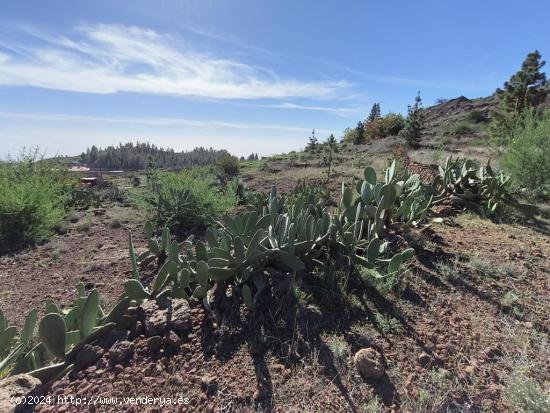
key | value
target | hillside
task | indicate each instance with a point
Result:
(374, 289)
(456, 127)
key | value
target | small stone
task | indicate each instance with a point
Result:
(152, 370)
(424, 359)
(446, 374)
(158, 321)
(287, 373)
(16, 386)
(278, 367)
(154, 343)
(112, 337)
(369, 363)
(149, 380)
(87, 356)
(172, 339)
(493, 352)
(121, 351)
(493, 389)
(209, 384)
(85, 388)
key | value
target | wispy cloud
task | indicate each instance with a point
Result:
(113, 58)
(154, 121)
(336, 110)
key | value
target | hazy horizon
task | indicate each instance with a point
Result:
(244, 76)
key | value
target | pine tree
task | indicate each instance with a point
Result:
(414, 124)
(329, 155)
(374, 113)
(526, 88)
(93, 154)
(359, 134)
(313, 143)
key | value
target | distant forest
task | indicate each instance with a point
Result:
(138, 155)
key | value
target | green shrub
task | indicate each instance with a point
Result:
(476, 116)
(347, 135)
(187, 198)
(391, 124)
(527, 157)
(33, 195)
(525, 395)
(460, 128)
(228, 166)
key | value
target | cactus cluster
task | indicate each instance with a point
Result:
(289, 234)
(478, 188)
(50, 350)
(385, 203)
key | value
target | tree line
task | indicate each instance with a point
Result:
(139, 155)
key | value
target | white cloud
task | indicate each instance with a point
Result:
(154, 121)
(113, 58)
(335, 110)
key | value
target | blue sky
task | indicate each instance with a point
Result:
(245, 75)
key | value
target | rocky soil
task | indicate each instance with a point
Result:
(447, 330)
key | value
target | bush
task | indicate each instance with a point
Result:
(347, 135)
(391, 124)
(228, 166)
(525, 395)
(527, 157)
(476, 116)
(33, 195)
(372, 130)
(460, 128)
(188, 198)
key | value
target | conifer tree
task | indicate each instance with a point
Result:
(374, 113)
(359, 134)
(526, 88)
(414, 124)
(329, 155)
(313, 143)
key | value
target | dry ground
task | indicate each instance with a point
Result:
(470, 317)
(465, 330)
